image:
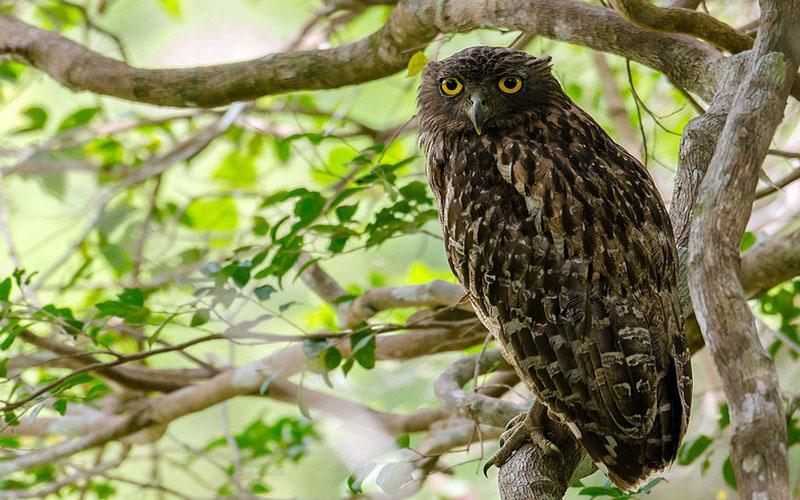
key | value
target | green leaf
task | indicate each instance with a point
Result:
(60, 406)
(12, 329)
(417, 63)
(748, 240)
(5, 289)
(78, 118)
(332, 357)
(129, 307)
(264, 292)
(37, 118)
(693, 448)
(647, 488)
(309, 207)
(259, 487)
(200, 317)
(345, 212)
(10, 71)
(283, 149)
(344, 195)
(4, 367)
(363, 346)
(239, 272)
(10, 443)
(132, 296)
(724, 416)
(416, 191)
(285, 257)
(347, 366)
(237, 170)
(403, 441)
(596, 491)
(728, 474)
(212, 214)
(260, 226)
(117, 256)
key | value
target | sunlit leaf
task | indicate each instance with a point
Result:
(212, 214)
(171, 7)
(417, 63)
(237, 170)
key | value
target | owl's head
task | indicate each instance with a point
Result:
(483, 89)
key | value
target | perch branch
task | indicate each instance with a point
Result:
(690, 64)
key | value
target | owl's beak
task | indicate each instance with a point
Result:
(477, 112)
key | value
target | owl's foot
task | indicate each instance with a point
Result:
(528, 426)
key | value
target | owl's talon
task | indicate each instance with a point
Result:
(528, 426)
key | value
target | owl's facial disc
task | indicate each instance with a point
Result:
(477, 112)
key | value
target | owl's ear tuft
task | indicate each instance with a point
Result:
(542, 63)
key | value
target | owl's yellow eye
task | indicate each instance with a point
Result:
(451, 86)
(510, 84)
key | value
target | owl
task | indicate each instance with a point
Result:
(566, 251)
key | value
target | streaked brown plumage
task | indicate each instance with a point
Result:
(566, 250)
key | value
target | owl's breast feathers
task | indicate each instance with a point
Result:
(567, 251)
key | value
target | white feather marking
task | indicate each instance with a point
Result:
(574, 429)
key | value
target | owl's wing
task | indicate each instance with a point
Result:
(599, 343)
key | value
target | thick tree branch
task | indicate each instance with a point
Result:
(690, 64)
(749, 377)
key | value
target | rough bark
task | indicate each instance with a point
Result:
(750, 381)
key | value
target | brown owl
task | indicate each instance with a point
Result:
(566, 250)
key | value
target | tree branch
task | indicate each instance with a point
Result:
(679, 20)
(474, 406)
(749, 377)
(769, 263)
(690, 64)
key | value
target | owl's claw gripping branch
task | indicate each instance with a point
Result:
(529, 426)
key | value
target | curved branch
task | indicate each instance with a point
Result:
(679, 20)
(435, 293)
(474, 406)
(79, 68)
(690, 64)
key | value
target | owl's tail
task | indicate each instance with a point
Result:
(629, 462)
